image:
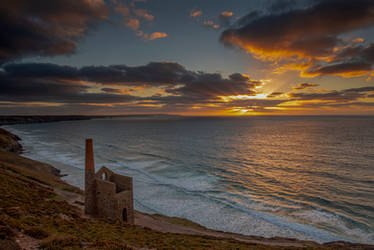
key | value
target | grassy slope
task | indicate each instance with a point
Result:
(31, 210)
(36, 210)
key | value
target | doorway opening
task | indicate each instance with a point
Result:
(124, 215)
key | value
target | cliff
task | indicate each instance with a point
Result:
(9, 142)
(40, 211)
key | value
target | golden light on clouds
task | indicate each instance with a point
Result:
(242, 97)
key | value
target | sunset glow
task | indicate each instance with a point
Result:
(143, 59)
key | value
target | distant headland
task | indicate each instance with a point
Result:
(23, 119)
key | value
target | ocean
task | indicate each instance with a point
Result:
(309, 178)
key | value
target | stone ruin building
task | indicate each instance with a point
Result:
(107, 194)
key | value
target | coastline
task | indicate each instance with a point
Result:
(21, 119)
(36, 171)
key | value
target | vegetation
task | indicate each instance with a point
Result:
(30, 206)
(33, 211)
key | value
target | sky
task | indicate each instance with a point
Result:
(187, 57)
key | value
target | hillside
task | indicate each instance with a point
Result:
(40, 211)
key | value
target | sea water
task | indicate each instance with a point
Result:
(309, 178)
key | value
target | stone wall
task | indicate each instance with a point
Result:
(125, 200)
(123, 182)
(106, 205)
(107, 194)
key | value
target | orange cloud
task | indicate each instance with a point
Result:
(347, 70)
(142, 13)
(132, 23)
(211, 24)
(305, 85)
(227, 14)
(157, 35)
(196, 13)
(303, 38)
(358, 40)
(123, 10)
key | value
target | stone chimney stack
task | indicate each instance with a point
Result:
(90, 189)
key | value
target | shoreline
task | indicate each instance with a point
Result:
(28, 119)
(176, 225)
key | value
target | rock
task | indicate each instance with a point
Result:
(9, 142)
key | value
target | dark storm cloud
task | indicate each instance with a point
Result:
(207, 85)
(248, 18)
(345, 95)
(368, 53)
(348, 69)
(311, 33)
(111, 90)
(21, 89)
(275, 94)
(350, 61)
(154, 73)
(45, 28)
(41, 82)
(41, 70)
(281, 5)
(305, 85)
(299, 27)
(363, 89)
(173, 76)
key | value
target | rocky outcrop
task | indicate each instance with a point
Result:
(9, 142)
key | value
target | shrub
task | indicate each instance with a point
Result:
(36, 233)
(60, 242)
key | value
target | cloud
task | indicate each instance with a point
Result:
(224, 19)
(143, 13)
(213, 85)
(154, 87)
(157, 35)
(151, 74)
(305, 85)
(20, 89)
(345, 95)
(358, 40)
(211, 24)
(348, 69)
(275, 94)
(196, 13)
(51, 28)
(111, 90)
(59, 83)
(281, 5)
(40, 70)
(123, 10)
(227, 14)
(311, 34)
(133, 17)
(132, 23)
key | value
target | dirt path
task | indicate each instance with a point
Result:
(175, 225)
(161, 224)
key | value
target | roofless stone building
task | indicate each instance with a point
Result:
(107, 194)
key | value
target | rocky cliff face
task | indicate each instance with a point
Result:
(9, 142)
